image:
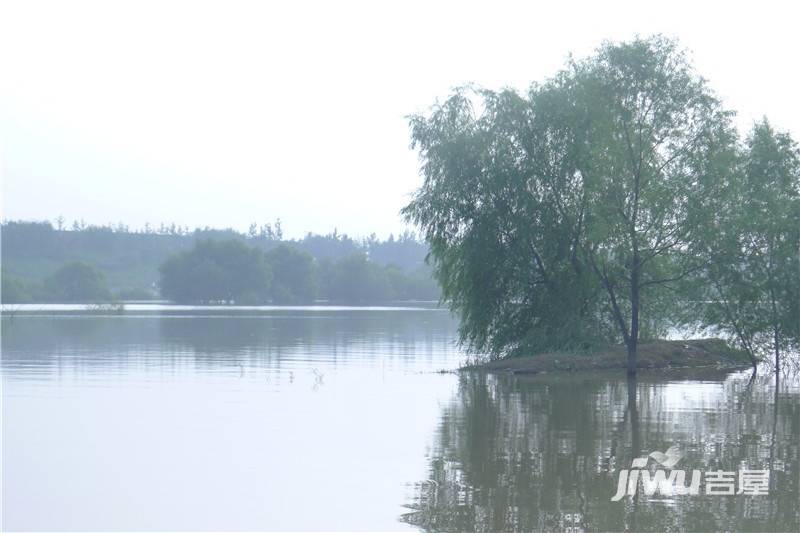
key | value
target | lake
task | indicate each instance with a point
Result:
(323, 418)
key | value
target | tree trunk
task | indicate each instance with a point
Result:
(633, 339)
(776, 345)
(632, 356)
(775, 328)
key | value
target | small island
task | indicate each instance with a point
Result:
(653, 355)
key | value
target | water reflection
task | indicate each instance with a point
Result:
(291, 419)
(540, 454)
(209, 338)
(219, 419)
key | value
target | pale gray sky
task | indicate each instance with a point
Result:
(223, 113)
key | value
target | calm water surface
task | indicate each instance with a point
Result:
(167, 418)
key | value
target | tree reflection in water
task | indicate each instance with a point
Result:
(543, 453)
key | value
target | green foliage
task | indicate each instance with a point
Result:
(33, 250)
(416, 285)
(217, 272)
(751, 286)
(229, 271)
(355, 279)
(13, 291)
(294, 278)
(561, 218)
(131, 260)
(506, 260)
(76, 282)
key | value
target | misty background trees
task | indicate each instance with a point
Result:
(588, 210)
(294, 275)
(77, 282)
(226, 271)
(301, 270)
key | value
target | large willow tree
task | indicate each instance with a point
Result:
(563, 216)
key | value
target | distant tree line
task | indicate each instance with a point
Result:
(606, 204)
(230, 271)
(131, 265)
(73, 282)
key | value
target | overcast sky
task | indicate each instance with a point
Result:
(224, 113)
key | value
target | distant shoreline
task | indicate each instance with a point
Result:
(120, 308)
